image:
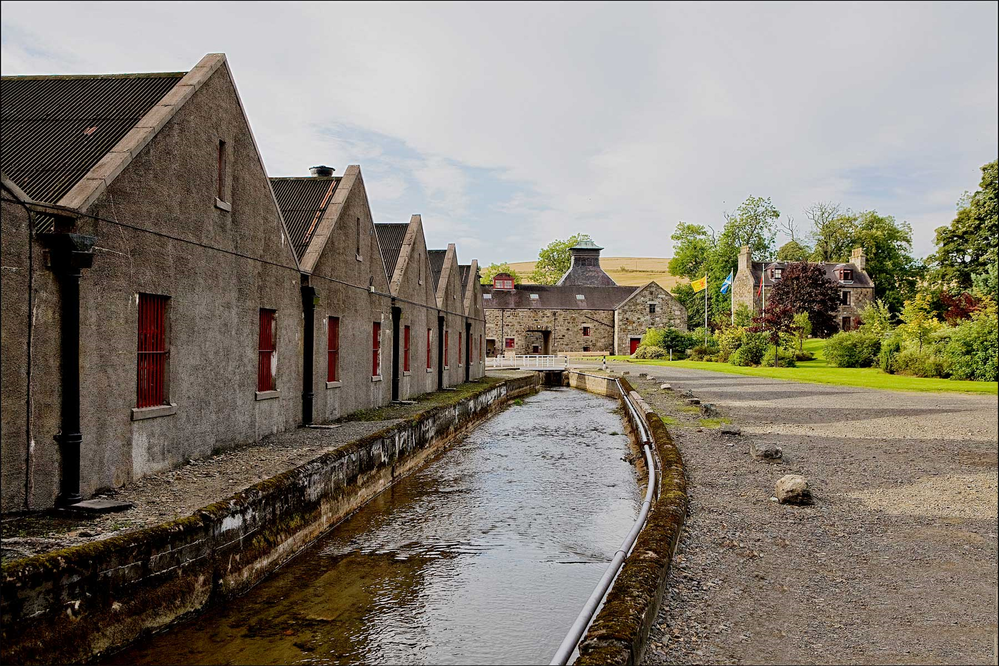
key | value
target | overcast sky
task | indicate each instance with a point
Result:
(509, 125)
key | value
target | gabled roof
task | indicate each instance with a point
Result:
(436, 264)
(391, 236)
(57, 128)
(556, 298)
(303, 201)
(463, 271)
(860, 278)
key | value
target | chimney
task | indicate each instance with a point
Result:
(859, 259)
(322, 171)
(745, 259)
(585, 267)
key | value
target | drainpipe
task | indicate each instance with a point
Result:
(71, 253)
(309, 299)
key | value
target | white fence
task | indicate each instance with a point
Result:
(528, 361)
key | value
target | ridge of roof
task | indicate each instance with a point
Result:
(448, 265)
(83, 77)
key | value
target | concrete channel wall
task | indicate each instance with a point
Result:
(71, 605)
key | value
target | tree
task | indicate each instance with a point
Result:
(968, 246)
(919, 321)
(804, 287)
(793, 251)
(492, 270)
(958, 308)
(692, 248)
(876, 319)
(802, 327)
(827, 225)
(554, 259)
(777, 321)
(754, 224)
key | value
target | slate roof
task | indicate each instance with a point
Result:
(463, 271)
(302, 202)
(436, 264)
(55, 129)
(860, 278)
(556, 298)
(390, 238)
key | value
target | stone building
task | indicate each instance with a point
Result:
(585, 312)
(856, 289)
(163, 299)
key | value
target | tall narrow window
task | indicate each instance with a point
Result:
(652, 308)
(446, 354)
(586, 331)
(333, 350)
(405, 349)
(267, 351)
(480, 348)
(152, 349)
(358, 236)
(844, 297)
(429, 356)
(376, 346)
(223, 158)
(459, 348)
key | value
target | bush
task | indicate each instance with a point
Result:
(925, 363)
(669, 338)
(804, 356)
(973, 347)
(650, 352)
(751, 349)
(852, 350)
(888, 355)
(786, 358)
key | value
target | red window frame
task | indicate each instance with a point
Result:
(429, 337)
(333, 350)
(151, 351)
(446, 354)
(586, 331)
(266, 350)
(405, 349)
(376, 349)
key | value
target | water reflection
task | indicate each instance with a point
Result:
(484, 556)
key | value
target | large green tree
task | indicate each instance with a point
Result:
(754, 223)
(967, 247)
(554, 259)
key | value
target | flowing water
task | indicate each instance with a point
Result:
(485, 555)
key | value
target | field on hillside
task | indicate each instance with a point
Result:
(626, 271)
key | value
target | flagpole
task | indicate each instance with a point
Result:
(705, 310)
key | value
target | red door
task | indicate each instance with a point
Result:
(634, 344)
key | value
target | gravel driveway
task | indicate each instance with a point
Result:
(895, 562)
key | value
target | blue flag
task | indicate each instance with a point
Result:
(727, 283)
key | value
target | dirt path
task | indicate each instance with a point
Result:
(894, 563)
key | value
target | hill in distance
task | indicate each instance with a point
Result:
(626, 271)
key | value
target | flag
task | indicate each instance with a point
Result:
(700, 285)
(761, 285)
(727, 283)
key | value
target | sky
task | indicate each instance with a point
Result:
(509, 125)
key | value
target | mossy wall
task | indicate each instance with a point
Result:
(70, 605)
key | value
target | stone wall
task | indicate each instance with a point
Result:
(860, 298)
(565, 329)
(73, 604)
(633, 319)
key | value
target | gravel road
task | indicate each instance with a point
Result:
(895, 562)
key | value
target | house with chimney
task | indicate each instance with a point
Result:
(856, 289)
(586, 311)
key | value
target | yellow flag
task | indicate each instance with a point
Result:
(700, 285)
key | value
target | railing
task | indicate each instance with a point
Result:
(528, 361)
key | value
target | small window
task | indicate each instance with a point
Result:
(459, 349)
(223, 168)
(152, 351)
(357, 243)
(376, 349)
(652, 308)
(447, 336)
(480, 348)
(535, 349)
(777, 273)
(585, 348)
(508, 343)
(847, 323)
(844, 297)
(586, 331)
(487, 297)
(580, 297)
(421, 270)
(405, 349)
(267, 351)
(534, 297)
(333, 350)
(429, 354)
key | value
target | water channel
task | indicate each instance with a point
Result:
(485, 555)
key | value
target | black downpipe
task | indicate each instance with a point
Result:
(308, 353)
(396, 317)
(468, 351)
(71, 253)
(440, 353)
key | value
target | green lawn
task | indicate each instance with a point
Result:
(818, 371)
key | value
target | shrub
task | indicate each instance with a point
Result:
(920, 363)
(751, 349)
(852, 350)
(804, 356)
(669, 338)
(729, 340)
(786, 358)
(650, 352)
(888, 355)
(973, 347)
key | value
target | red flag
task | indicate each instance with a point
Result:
(760, 290)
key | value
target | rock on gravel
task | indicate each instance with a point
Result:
(793, 489)
(731, 430)
(768, 452)
(709, 409)
(665, 387)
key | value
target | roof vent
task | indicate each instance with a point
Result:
(322, 171)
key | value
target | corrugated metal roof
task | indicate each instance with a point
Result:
(437, 264)
(463, 271)
(56, 128)
(390, 238)
(860, 278)
(302, 202)
(556, 298)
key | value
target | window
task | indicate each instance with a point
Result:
(534, 297)
(586, 331)
(376, 347)
(446, 355)
(152, 350)
(429, 338)
(459, 348)
(845, 274)
(652, 308)
(222, 170)
(585, 348)
(405, 349)
(421, 270)
(487, 297)
(508, 343)
(480, 348)
(580, 297)
(844, 297)
(357, 249)
(333, 350)
(267, 351)
(777, 273)
(847, 323)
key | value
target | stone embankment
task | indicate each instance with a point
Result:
(71, 604)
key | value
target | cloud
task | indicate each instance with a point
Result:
(508, 128)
